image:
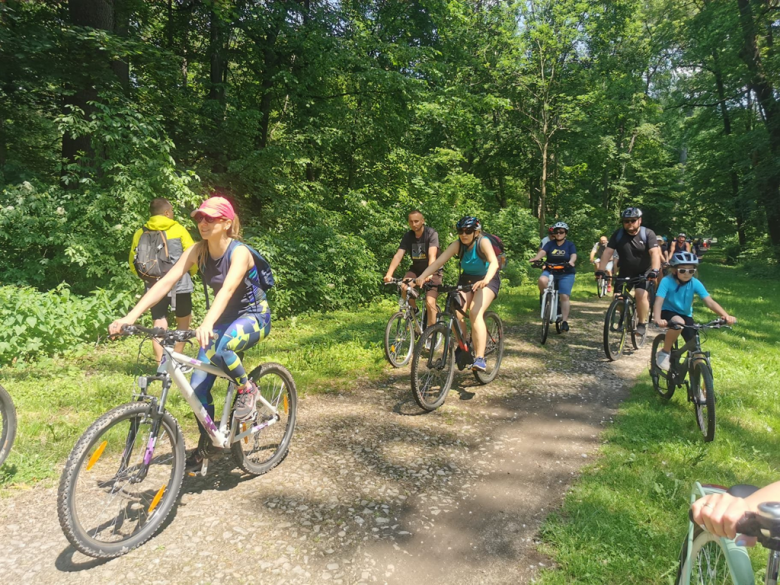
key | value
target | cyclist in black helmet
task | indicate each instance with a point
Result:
(479, 267)
(679, 244)
(637, 247)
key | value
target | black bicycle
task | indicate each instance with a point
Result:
(8, 420)
(696, 367)
(405, 326)
(442, 346)
(621, 319)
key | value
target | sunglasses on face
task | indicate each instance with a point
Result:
(466, 231)
(558, 232)
(686, 270)
(201, 216)
(630, 220)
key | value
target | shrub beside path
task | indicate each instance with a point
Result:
(373, 491)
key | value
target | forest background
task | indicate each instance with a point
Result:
(327, 121)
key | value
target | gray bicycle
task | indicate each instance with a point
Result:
(122, 478)
(8, 424)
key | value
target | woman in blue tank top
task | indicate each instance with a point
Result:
(480, 269)
(238, 318)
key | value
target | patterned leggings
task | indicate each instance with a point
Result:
(241, 334)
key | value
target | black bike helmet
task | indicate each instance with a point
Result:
(631, 213)
(468, 222)
(680, 258)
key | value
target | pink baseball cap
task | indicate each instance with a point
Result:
(215, 207)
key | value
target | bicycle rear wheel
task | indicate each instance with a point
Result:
(701, 383)
(601, 287)
(399, 340)
(108, 501)
(494, 348)
(433, 369)
(546, 317)
(8, 420)
(261, 451)
(615, 329)
(662, 381)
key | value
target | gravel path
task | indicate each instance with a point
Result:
(373, 491)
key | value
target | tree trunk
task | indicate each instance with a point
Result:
(543, 191)
(761, 85)
(97, 14)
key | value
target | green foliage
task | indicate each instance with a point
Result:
(35, 324)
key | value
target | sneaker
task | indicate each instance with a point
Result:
(609, 288)
(194, 464)
(641, 329)
(245, 401)
(479, 365)
(662, 360)
(564, 326)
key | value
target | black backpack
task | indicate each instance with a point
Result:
(152, 259)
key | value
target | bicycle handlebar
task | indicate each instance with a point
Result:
(412, 292)
(550, 265)
(716, 324)
(176, 335)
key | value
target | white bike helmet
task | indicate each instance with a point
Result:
(561, 225)
(680, 258)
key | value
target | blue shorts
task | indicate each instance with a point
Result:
(564, 282)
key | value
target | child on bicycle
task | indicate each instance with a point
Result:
(238, 318)
(674, 303)
(480, 269)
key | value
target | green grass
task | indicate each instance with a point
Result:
(624, 520)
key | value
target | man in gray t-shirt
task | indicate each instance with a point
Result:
(422, 244)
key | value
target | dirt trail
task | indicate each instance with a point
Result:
(373, 491)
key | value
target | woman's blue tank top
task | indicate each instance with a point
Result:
(248, 297)
(472, 264)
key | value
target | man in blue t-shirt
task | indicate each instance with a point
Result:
(674, 302)
(559, 251)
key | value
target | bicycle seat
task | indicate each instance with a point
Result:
(742, 490)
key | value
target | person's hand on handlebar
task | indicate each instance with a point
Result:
(661, 322)
(652, 274)
(116, 327)
(204, 333)
(719, 514)
(729, 319)
(387, 278)
(599, 274)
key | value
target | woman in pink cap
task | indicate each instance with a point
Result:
(238, 318)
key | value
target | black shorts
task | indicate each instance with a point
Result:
(494, 284)
(183, 306)
(687, 334)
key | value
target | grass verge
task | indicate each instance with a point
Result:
(624, 520)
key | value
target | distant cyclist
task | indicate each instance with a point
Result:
(546, 238)
(595, 257)
(562, 251)
(679, 244)
(479, 267)
(639, 254)
(421, 242)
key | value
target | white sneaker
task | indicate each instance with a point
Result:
(662, 360)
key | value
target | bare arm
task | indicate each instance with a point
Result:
(573, 260)
(490, 254)
(399, 255)
(155, 294)
(718, 310)
(451, 250)
(655, 259)
(539, 255)
(659, 303)
(605, 257)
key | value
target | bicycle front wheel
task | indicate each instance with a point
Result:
(637, 340)
(546, 316)
(8, 428)
(267, 446)
(399, 340)
(662, 381)
(120, 482)
(709, 562)
(703, 398)
(615, 327)
(601, 287)
(494, 348)
(433, 367)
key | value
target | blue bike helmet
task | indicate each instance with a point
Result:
(468, 222)
(680, 258)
